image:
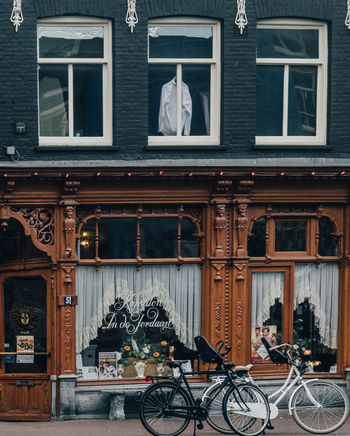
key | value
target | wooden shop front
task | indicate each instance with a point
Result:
(105, 277)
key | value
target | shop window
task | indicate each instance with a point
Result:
(74, 81)
(15, 245)
(313, 314)
(257, 239)
(291, 83)
(290, 235)
(184, 82)
(146, 238)
(328, 242)
(130, 321)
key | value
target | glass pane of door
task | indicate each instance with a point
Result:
(267, 312)
(25, 324)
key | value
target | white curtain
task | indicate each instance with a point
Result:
(266, 288)
(319, 285)
(178, 290)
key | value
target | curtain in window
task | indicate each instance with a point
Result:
(178, 290)
(266, 288)
(319, 285)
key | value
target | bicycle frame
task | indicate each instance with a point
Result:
(289, 385)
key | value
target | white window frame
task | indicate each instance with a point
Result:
(107, 97)
(322, 65)
(215, 83)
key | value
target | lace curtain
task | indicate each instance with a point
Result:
(319, 285)
(178, 290)
(266, 288)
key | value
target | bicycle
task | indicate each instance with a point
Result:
(167, 406)
(317, 406)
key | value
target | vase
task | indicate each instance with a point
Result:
(160, 369)
(120, 370)
(140, 366)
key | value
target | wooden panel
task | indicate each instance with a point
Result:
(30, 402)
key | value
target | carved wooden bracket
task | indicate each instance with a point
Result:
(10, 186)
(240, 267)
(218, 268)
(242, 230)
(220, 225)
(71, 187)
(69, 232)
(223, 186)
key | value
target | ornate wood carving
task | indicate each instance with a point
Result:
(217, 323)
(218, 268)
(239, 267)
(239, 321)
(69, 231)
(41, 220)
(71, 187)
(68, 334)
(10, 186)
(242, 230)
(220, 225)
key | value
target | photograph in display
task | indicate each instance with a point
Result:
(259, 353)
(107, 364)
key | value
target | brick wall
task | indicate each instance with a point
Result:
(18, 85)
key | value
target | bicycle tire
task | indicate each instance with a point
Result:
(155, 409)
(329, 416)
(246, 410)
(212, 400)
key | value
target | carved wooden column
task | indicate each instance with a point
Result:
(219, 260)
(239, 301)
(66, 299)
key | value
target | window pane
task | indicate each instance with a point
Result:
(180, 42)
(257, 239)
(25, 323)
(287, 43)
(117, 238)
(88, 100)
(190, 246)
(290, 235)
(302, 101)
(269, 100)
(53, 100)
(149, 314)
(267, 312)
(70, 42)
(158, 237)
(328, 244)
(196, 99)
(315, 325)
(164, 121)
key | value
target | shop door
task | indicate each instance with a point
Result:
(25, 389)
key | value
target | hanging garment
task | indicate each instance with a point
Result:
(167, 120)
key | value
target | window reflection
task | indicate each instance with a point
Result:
(290, 235)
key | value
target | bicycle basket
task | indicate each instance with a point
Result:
(207, 352)
(278, 357)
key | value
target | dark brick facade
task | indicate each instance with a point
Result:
(18, 86)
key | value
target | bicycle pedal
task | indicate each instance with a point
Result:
(200, 426)
(270, 426)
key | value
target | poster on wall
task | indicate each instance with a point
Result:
(107, 365)
(25, 344)
(259, 353)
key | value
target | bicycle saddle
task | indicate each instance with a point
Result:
(176, 363)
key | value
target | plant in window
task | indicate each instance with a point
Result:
(302, 346)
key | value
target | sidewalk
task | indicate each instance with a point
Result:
(284, 426)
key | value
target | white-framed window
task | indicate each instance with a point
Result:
(291, 82)
(184, 82)
(74, 81)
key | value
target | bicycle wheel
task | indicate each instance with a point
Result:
(213, 399)
(324, 411)
(158, 403)
(246, 410)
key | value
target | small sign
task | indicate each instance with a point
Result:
(68, 300)
(10, 359)
(25, 344)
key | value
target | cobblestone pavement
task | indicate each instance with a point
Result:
(284, 425)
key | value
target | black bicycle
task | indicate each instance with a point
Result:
(168, 405)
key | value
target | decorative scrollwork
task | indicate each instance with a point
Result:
(347, 19)
(41, 220)
(131, 18)
(16, 15)
(241, 17)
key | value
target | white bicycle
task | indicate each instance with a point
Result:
(317, 406)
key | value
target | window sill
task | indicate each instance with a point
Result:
(76, 148)
(151, 147)
(291, 147)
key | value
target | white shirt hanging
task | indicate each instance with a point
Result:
(167, 120)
